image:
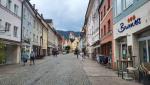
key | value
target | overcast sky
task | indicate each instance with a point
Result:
(66, 14)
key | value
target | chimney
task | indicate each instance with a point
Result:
(34, 6)
(42, 15)
(36, 10)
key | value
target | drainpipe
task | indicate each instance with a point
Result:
(21, 25)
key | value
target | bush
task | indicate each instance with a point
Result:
(2, 52)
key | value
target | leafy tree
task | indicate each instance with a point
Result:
(2, 52)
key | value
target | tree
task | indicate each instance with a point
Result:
(2, 52)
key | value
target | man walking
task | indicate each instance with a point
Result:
(32, 57)
(77, 52)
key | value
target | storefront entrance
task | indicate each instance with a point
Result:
(144, 49)
(123, 50)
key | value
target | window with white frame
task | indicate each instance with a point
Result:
(7, 26)
(16, 9)
(15, 31)
(121, 5)
(8, 4)
(128, 3)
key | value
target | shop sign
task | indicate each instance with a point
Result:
(132, 21)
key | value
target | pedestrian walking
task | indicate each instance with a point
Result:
(82, 56)
(24, 57)
(32, 58)
(84, 52)
(77, 52)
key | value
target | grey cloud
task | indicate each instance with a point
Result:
(67, 14)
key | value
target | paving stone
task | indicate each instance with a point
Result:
(63, 70)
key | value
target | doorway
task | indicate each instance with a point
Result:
(123, 50)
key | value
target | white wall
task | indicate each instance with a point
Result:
(11, 18)
(139, 13)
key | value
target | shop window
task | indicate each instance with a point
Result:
(143, 51)
(108, 4)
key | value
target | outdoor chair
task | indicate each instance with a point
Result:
(144, 73)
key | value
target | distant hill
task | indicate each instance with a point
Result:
(66, 33)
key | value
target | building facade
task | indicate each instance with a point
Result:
(131, 30)
(92, 28)
(106, 25)
(95, 28)
(32, 28)
(10, 30)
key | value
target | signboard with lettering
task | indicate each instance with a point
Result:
(132, 22)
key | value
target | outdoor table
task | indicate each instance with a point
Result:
(124, 65)
(133, 69)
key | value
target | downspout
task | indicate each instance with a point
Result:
(21, 26)
(99, 29)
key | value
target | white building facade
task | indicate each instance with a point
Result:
(92, 26)
(34, 31)
(10, 30)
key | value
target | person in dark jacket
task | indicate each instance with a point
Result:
(32, 57)
(77, 52)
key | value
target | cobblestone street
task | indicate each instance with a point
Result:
(63, 70)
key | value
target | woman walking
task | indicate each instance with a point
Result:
(25, 57)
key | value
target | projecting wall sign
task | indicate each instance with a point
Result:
(132, 21)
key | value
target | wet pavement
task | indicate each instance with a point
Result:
(63, 70)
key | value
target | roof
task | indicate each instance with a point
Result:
(49, 20)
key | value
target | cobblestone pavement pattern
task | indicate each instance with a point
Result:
(63, 70)
(99, 75)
